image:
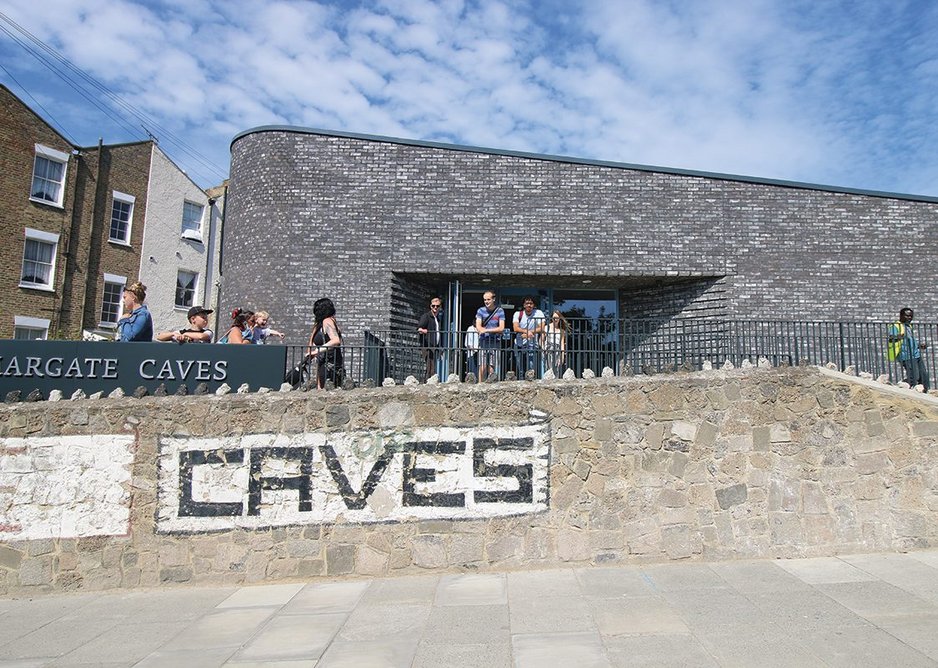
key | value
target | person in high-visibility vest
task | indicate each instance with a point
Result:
(904, 347)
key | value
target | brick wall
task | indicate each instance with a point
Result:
(317, 214)
(20, 131)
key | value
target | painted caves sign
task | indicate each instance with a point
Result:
(266, 480)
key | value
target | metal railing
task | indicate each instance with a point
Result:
(648, 346)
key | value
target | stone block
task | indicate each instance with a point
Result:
(680, 542)
(671, 498)
(603, 430)
(926, 429)
(572, 546)
(760, 439)
(175, 574)
(340, 559)
(429, 551)
(876, 462)
(727, 497)
(370, 561)
(685, 431)
(814, 500)
(10, 558)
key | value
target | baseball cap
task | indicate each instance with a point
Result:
(195, 310)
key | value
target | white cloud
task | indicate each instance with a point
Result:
(776, 88)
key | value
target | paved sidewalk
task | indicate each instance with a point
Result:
(861, 610)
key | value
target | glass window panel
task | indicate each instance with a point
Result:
(120, 221)
(185, 288)
(191, 217)
(111, 303)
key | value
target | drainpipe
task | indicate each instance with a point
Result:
(94, 208)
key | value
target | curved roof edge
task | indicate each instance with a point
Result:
(583, 161)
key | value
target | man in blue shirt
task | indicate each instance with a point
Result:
(908, 350)
(490, 323)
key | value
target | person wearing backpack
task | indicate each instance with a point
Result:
(904, 347)
(528, 325)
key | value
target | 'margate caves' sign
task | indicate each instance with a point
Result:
(104, 366)
(265, 480)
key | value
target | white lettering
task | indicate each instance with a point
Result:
(144, 374)
(204, 367)
(32, 367)
(57, 373)
(166, 371)
(13, 368)
(221, 370)
(184, 366)
(92, 362)
(110, 368)
(74, 370)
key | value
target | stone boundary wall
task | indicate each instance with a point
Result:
(723, 464)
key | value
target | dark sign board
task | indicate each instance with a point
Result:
(104, 366)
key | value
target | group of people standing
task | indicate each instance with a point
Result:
(137, 323)
(535, 338)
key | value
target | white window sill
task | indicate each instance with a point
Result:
(107, 325)
(118, 242)
(192, 236)
(46, 202)
(34, 286)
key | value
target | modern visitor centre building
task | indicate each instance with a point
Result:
(381, 224)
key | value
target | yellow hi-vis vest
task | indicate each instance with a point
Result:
(894, 347)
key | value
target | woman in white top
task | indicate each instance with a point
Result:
(554, 343)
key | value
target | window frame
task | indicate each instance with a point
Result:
(189, 232)
(40, 237)
(50, 155)
(27, 323)
(195, 290)
(123, 198)
(121, 282)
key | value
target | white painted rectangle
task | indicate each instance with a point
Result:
(263, 480)
(65, 486)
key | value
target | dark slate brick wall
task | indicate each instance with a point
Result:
(313, 214)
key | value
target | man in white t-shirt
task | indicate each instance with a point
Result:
(528, 324)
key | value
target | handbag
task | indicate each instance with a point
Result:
(299, 373)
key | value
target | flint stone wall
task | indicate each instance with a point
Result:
(716, 465)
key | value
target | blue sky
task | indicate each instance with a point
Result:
(829, 92)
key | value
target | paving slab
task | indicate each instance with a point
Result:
(487, 589)
(647, 651)
(555, 614)
(672, 577)
(386, 653)
(468, 624)
(292, 638)
(636, 615)
(559, 650)
(431, 654)
(824, 570)
(385, 621)
(716, 610)
(875, 600)
(862, 647)
(763, 649)
(261, 596)
(328, 597)
(124, 643)
(758, 576)
(525, 584)
(228, 628)
(614, 582)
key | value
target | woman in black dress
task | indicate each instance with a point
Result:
(325, 343)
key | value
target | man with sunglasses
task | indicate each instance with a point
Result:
(430, 338)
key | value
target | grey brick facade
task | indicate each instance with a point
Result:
(379, 224)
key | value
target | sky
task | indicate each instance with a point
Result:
(831, 92)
